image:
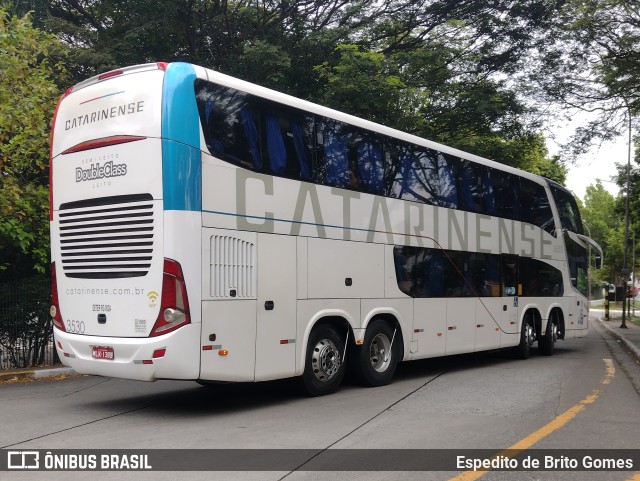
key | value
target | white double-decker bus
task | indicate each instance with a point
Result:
(209, 229)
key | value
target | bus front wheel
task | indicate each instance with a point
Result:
(374, 362)
(324, 367)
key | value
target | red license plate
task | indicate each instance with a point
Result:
(103, 352)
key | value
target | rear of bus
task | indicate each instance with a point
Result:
(124, 234)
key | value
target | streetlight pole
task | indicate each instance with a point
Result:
(625, 271)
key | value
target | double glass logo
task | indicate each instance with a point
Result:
(23, 460)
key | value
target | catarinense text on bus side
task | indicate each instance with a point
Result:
(379, 219)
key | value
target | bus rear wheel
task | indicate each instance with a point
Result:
(374, 362)
(324, 367)
(523, 350)
(548, 341)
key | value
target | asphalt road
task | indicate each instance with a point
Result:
(587, 396)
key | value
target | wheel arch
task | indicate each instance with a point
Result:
(557, 313)
(532, 313)
(392, 318)
(340, 320)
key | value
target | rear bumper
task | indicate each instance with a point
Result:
(133, 357)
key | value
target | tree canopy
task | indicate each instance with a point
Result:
(479, 76)
(28, 96)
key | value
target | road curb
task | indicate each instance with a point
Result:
(632, 347)
(35, 373)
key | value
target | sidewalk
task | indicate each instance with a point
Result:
(17, 375)
(630, 337)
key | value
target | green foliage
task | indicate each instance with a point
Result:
(28, 96)
(25, 324)
(364, 83)
(603, 226)
(590, 62)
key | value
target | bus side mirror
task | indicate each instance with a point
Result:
(598, 262)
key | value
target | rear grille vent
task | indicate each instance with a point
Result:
(107, 238)
(233, 272)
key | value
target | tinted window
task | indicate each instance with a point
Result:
(506, 195)
(472, 190)
(412, 173)
(287, 141)
(447, 188)
(535, 207)
(485, 274)
(256, 134)
(443, 273)
(276, 139)
(567, 209)
(539, 279)
(349, 157)
(577, 257)
(230, 124)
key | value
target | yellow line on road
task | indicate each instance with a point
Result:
(552, 426)
(635, 477)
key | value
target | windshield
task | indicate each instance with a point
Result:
(567, 208)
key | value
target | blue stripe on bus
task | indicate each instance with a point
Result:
(181, 161)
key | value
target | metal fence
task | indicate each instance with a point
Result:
(26, 329)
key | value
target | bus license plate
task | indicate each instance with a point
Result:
(103, 352)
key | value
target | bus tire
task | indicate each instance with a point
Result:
(324, 367)
(375, 361)
(523, 350)
(548, 341)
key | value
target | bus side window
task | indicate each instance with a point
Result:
(333, 158)
(276, 150)
(453, 280)
(288, 141)
(370, 167)
(413, 173)
(447, 195)
(505, 193)
(509, 275)
(536, 209)
(303, 153)
(229, 124)
(488, 196)
(404, 260)
(539, 279)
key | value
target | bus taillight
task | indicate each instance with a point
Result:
(174, 305)
(103, 142)
(55, 305)
(113, 73)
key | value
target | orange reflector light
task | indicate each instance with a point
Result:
(359, 341)
(223, 352)
(439, 334)
(159, 353)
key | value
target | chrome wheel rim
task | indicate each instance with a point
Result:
(380, 353)
(325, 360)
(529, 335)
